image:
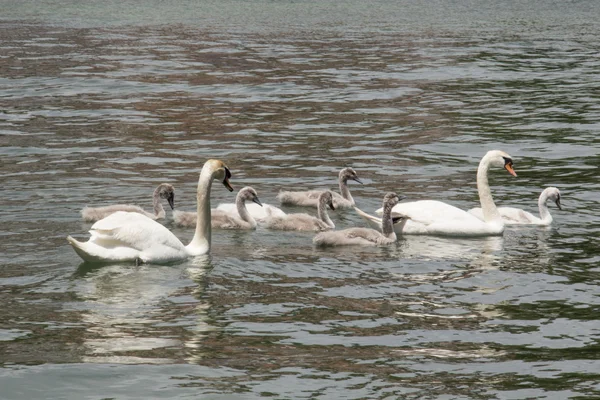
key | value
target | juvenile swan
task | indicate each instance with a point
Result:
(311, 198)
(240, 219)
(364, 236)
(132, 237)
(305, 222)
(516, 216)
(259, 213)
(430, 217)
(163, 191)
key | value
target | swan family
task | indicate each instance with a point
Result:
(123, 233)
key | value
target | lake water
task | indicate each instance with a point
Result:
(101, 101)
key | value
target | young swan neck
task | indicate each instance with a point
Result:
(322, 212)
(387, 225)
(344, 190)
(159, 211)
(240, 203)
(201, 241)
(544, 212)
(490, 212)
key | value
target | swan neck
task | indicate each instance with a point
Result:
(323, 215)
(201, 241)
(345, 191)
(544, 212)
(490, 212)
(387, 224)
(240, 204)
(159, 211)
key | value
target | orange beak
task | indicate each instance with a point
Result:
(510, 169)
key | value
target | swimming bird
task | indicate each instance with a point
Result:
(517, 216)
(240, 219)
(364, 236)
(431, 217)
(162, 191)
(133, 237)
(305, 222)
(311, 198)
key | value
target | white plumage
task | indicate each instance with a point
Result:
(517, 216)
(431, 217)
(132, 237)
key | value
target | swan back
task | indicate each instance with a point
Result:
(310, 198)
(306, 222)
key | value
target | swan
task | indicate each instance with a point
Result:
(240, 219)
(305, 222)
(311, 198)
(259, 213)
(162, 191)
(364, 236)
(516, 216)
(132, 237)
(431, 217)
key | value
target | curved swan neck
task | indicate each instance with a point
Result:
(344, 190)
(323, 215)
(490, 212)
(200, 243)
(159, 211)
(544, 212)
(387, 225)
(240, 204)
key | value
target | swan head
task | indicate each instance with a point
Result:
(248, 193)
(391, 199)
(553, 194)
(500, 159)
(219, 171)
(167, 192)
(349, 173)
(326, 199)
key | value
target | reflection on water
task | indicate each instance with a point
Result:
(99, 110)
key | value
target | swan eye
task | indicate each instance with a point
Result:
(227, 173)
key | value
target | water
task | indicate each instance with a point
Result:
(102, 101)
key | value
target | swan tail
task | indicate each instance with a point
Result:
(92, 252)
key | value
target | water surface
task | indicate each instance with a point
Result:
(101, 102)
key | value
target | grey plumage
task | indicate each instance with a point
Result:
(363, 236)
(162, 191)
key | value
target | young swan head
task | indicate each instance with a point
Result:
(219, 171)
(248, 193)
(326, 199)
(349, 173)
(553, 194)
(500, 159)
(391, 199)
(166, 191)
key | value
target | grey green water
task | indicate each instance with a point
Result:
(101, 101)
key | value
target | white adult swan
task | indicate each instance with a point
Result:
(305, 222)
(162, 191)
(311, 198)
(516, 216)
(431, 217)
(364, 236)
(132, 237)
(240, 219)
